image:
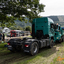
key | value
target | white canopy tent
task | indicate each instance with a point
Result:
(6, 30)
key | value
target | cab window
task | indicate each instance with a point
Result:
(52, 25)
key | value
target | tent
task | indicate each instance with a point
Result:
(6, 30)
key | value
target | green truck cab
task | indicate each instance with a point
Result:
(44, 27)
(58, 33)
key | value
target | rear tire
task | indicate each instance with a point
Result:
(34, 48)
(51, 44)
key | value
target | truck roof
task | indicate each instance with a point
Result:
(43, 19)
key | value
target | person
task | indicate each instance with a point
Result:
(3, 37)
(0, 37)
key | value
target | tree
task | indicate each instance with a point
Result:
(16, 28)
(19, 28)
(19, 9)
(6, 21)
(28, 28)
(13, 28)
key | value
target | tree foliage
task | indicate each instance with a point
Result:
(28, 28)
(16, 28)
(19, 9)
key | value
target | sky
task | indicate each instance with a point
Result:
(52, 7)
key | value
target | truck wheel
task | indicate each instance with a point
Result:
(51, 44)
(60, 40)
(34, 48)
(63, 39)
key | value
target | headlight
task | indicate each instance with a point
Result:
(57, 37)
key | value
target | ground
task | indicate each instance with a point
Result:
(45, 56)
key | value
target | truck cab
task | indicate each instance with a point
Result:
(43, 28)
(58, 33)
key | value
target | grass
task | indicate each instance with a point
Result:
(3, 49)
(2, 45)
(45, 56)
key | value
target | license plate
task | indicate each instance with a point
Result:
(10, 47)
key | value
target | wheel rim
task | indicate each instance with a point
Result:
(35, 49)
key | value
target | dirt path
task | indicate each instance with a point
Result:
(11, 57)
(45, 56)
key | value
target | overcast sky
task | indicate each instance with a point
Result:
(53, 7)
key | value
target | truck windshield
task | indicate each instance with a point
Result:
(55, 26)
(52, 25)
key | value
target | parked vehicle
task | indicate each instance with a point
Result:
(44, 33)
(15, 33)
(58, 34)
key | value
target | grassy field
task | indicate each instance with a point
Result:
(45, 56)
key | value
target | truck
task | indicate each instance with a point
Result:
(44, 34)
(59, 34)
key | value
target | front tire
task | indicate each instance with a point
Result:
(60, 40)
(34, 48)
(63, 39)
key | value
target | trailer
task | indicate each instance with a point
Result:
(44, 34)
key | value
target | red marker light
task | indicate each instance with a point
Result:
(26, 45)
(8, 43)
